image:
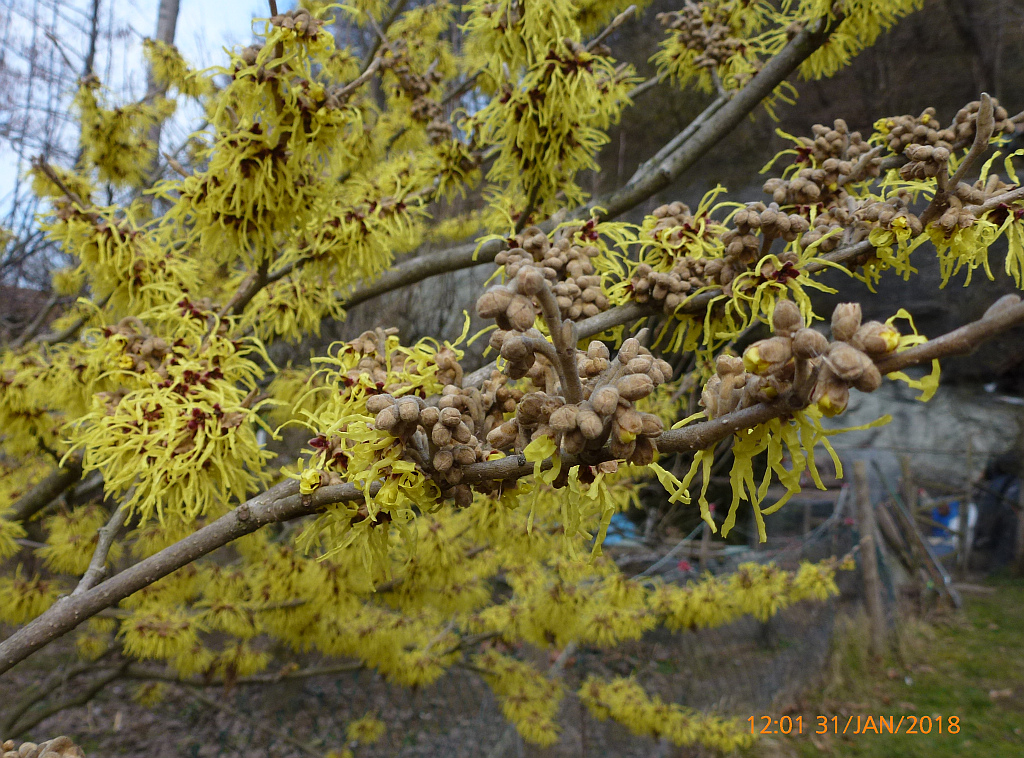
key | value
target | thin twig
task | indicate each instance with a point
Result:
(564, 337)
(81, 699)
(673, 144)
(47, 490)
(994, 202)
(284, 503)
(983, 127)
(36, 323)
(260, 724)
(147, 674)
(98, 563)
(381, 37)
(615, 24)
(72, 329)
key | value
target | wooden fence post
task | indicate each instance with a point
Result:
(869, 560)
(963, 543)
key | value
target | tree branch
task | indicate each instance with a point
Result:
(47, 490)
(709, 133)
(283, 501)
(98, 563)
(80, 699)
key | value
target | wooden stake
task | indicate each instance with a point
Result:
(963, 543)
(869, 560)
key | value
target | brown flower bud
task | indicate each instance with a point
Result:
(521, 313)
(376, 403)
(463, 496)
(429, 416)
(529, 280)
(564, 419)
(502, 436)
(629, 421)
(640, 365)
(590, 424)
(845, 321)
(630, 349)
(605, 400)
(515, 349)
(727, 365)
(408, 409)
(643, 452)
(807, 343)
(870, 380)
(847, 362)
(462, 433)
(443, 460)
(876, 338)
(598, 349)
(651, 425)
(450, 417)
(786, 319)
(709, 396)
(387, 419)
(441, 435)
(493, 302)
(634, 386)
(464, 455)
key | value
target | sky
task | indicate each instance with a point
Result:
(204, 28)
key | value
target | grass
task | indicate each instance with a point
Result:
(970, 666)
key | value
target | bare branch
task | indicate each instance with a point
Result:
(98, 563)
(47, 490)
(709, 133)
(615, 24)
(94, 688)
(283, 501)
(984, 126)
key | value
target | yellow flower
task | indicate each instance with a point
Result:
(309, 481)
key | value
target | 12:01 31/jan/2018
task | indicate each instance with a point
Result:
(856, 724)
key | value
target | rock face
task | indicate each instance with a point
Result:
(962, 427)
